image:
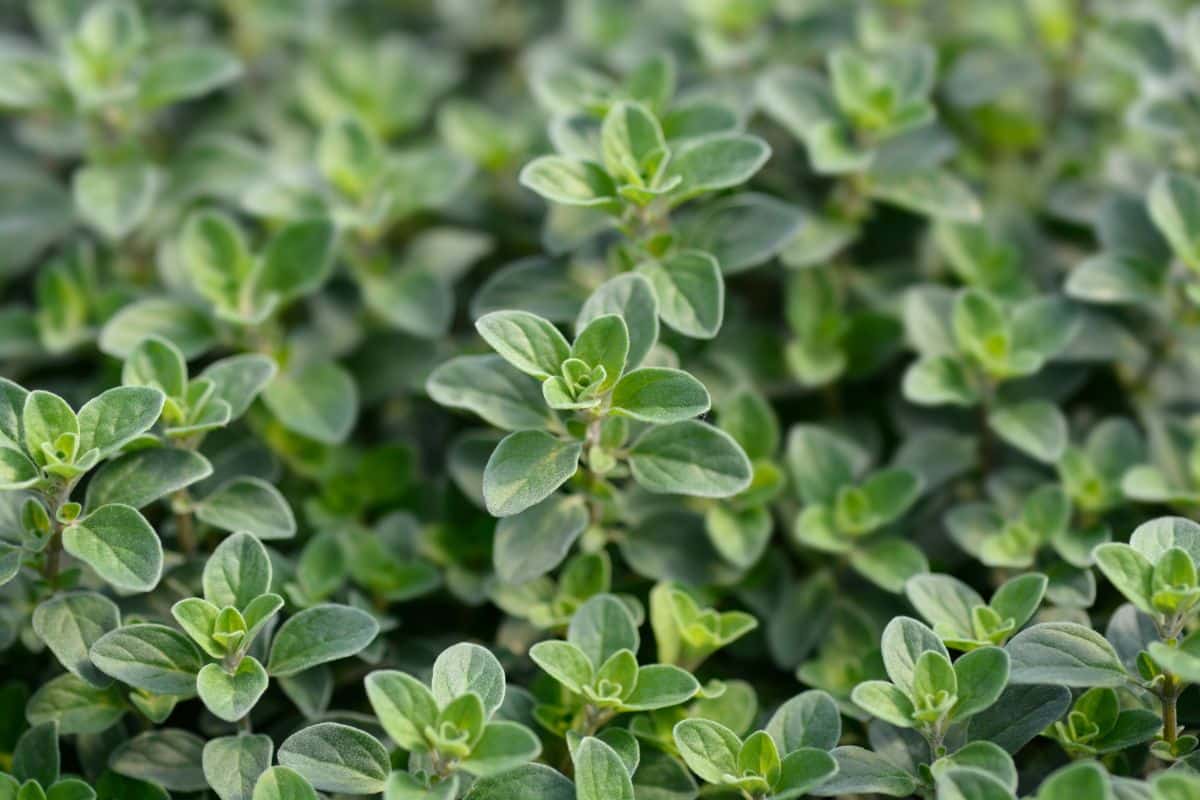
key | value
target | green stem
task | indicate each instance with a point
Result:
(1170, 697)
(592, 719)
(54, 548)
(185, 529)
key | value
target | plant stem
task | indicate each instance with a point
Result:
(1169, 698)
(185, 529)
(53, 557)
(593, 719)
(53, 562)
(986, 443)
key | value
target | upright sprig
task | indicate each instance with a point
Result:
(46, 448)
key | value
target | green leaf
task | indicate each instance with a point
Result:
(890, 492)
(115, 199)
(535, 541)
(965, 783)
(980, 756)
(234, 764)
(281, 783)
(1035, 427)
(661, 686)
(739, 535)
(239, 379)
(198, 618)
(691, 458)
(709, 748)
(802, 771)
(238, 571)
(156, 363)
(889, 562)
(412, 300)
(231, 695)
(1154, 538)
(116, 417)
(214, 254)
(690, 291)
(1018, 598)
(1174, 205)
(76, 706)
(111, 786)
(251, 505)
(749, 419)
(564, 662)
(885, 701)
(600, 773)
(503, 746)
(810, 719)
(528, 342)
(604, 342)
(1113, 278)
(44, 418)
(982, 675)
(904, 640)
(348, 154)
(532, 781)
(70, 623)
(570, 182)
(118, 543)
(759, 757)
(404, 706)
(934, 192)
(1175, 785)
(632, 144)
(1081, 779)
(337, 758)
(939, 380)
(659, 395)
(70, 789)
(464, 668)
(1180, 660)
(602, 626)
(821, 462)
(1129, 571)
(188, 328)
(717, 162)
(182, 73)
(140, 477)
(169, 757)
(862, 771)
(320, 401)
(1064, 653)
(525, 468)
(488, 386)
(151, 657)
(632, 297)
(945, 602)
(11, 557)
(36, 756)
(16, 470)
(297, 260)
(319, 634)
(745, 230)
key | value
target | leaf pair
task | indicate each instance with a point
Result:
(237, 607)
(961, 618)
(246, 288)
(636, 165)
(598, 665)
(927, 691)
(753, 766)
(451, 720)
